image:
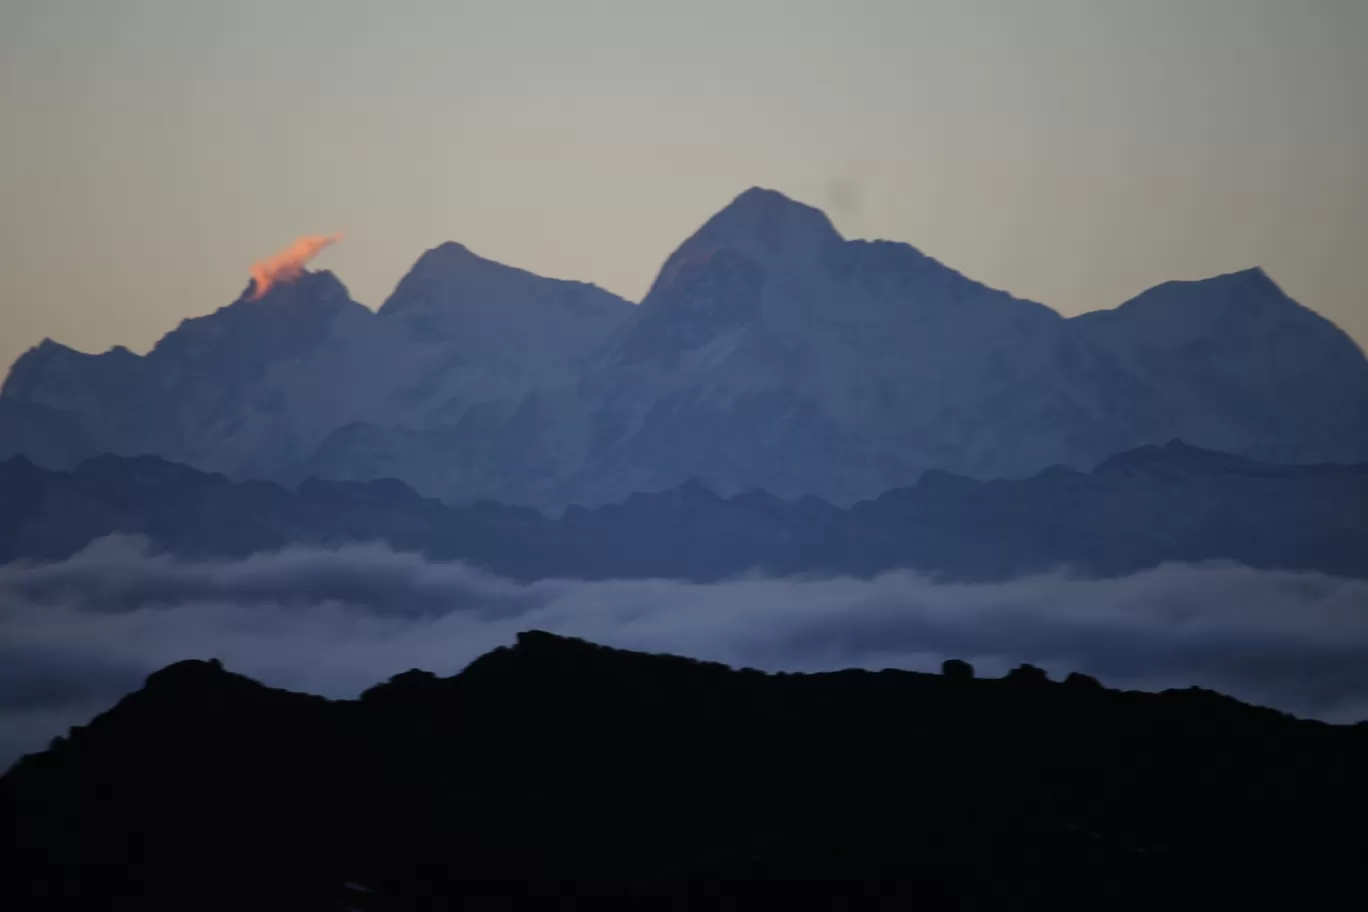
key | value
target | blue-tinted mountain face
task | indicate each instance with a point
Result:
(770, 353)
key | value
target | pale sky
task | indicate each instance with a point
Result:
(1070, 151)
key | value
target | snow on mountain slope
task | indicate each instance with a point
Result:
(271, 388)
(189, 397)
(484, 404)
(770, 353)
(1231, 363)
(505, 320)
(773, 353)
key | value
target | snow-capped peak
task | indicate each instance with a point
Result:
(764, 226)
(770, 353)
(771, 221)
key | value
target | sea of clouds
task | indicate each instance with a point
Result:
(78, 634)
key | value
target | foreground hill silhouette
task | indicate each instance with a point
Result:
(643, 776)
(1136, 510)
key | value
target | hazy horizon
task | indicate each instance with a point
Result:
(1070, 153)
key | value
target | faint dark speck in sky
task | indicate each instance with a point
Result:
(845, 200)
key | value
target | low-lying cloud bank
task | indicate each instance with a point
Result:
(77, 635)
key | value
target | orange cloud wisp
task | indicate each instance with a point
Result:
(288, 264)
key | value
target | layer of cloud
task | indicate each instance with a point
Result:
(76, 635)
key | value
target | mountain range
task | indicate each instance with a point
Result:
(769, 354)
(556, 768)
(1136, 510)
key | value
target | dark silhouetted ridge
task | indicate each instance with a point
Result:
(652, 777)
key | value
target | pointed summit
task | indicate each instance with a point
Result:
(451, 275)
(1239, 307)
(766, 225)
(445, 272)
(761, 225)
(448, 258)
(496, 314)
(772, 221)
(1255, 274)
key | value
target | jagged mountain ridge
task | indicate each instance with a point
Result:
(769, 353)
(257, 388)
(1137, 510)
(557, 759)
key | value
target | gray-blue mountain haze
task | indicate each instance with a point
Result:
(1139, 509)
